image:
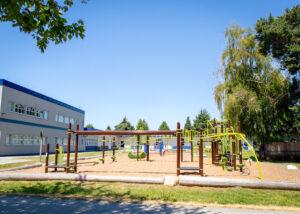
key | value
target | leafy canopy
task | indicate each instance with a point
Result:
(89, 126)
(108, 128)
(124, 125)
(44, 20)
(201, 119)
(252, 91)
(279, 37)
(142, 125)
(188, 124)
(163, 126)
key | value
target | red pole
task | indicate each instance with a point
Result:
(47, 158)
(178, 132)
(114, 149)
(138, 148)
(148, 150)
(76, 149)
(192, 149)
(103, 149)
(201, 153)
(240, 147)
(69, 147)
(181, 147)
(216, 146)
(56, 157)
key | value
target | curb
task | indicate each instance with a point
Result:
(22, 167)
(227, 182)
(79, 177)
(183, 180)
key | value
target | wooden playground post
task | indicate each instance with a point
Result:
(47, 158)
(216, 146)
(191, 142)
(103, 149)
(114, 148)
(56, 157)
(200, 153)
(181, 147)
(178, 131)
(69, 147)
(213, 143)
(234, 152)
(148, 150)
(76, 149)
(240, 147)
(138, 147)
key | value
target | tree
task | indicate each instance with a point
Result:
(108, 128)
(253, 91)
(279, 37)
(188, 124)
(44, 20)
(142, 125)
(124, 125)
(163, 126)
(201, 119)
(89, 126)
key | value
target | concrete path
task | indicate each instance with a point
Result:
(30, 204)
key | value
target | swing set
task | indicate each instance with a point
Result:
(225, 146)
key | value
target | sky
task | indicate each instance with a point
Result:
(148, 59)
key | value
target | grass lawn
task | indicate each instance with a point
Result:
(14, 165)
(141, 192)
(36, 159)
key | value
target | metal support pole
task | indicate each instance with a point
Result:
(178, 131)
(103, 149)
(76, 149)
(47, 158)
(201, 153)
(234, 152)
(138, 147)
(114, 149)
(181, 147)
(148, 149)
(69, 147)
(192, 148)
(240, 147)
(56, 157)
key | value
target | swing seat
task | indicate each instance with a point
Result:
(189, 168)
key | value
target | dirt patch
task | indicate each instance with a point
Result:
(161, 166)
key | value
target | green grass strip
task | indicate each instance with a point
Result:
(143, 192)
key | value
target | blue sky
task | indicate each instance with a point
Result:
(149, 59)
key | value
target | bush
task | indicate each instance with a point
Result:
(134, 156)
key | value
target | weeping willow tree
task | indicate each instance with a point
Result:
(252, 90)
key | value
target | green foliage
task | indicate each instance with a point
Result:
(142, 192)
(134, 156)
(44, 20)
(201, 119)
(164, 126)
(188, 124)
(279, 37)
(124, 125)
(142, 125)
(89, 126)
(108, 128)
(252, 91)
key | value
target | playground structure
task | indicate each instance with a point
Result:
(225, 145)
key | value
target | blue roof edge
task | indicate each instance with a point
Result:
(38, 95)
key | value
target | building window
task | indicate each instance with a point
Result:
(19, 108)
(67, 120)
(11, 106)
(31, 111)
(60, 118)
(72, 121)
